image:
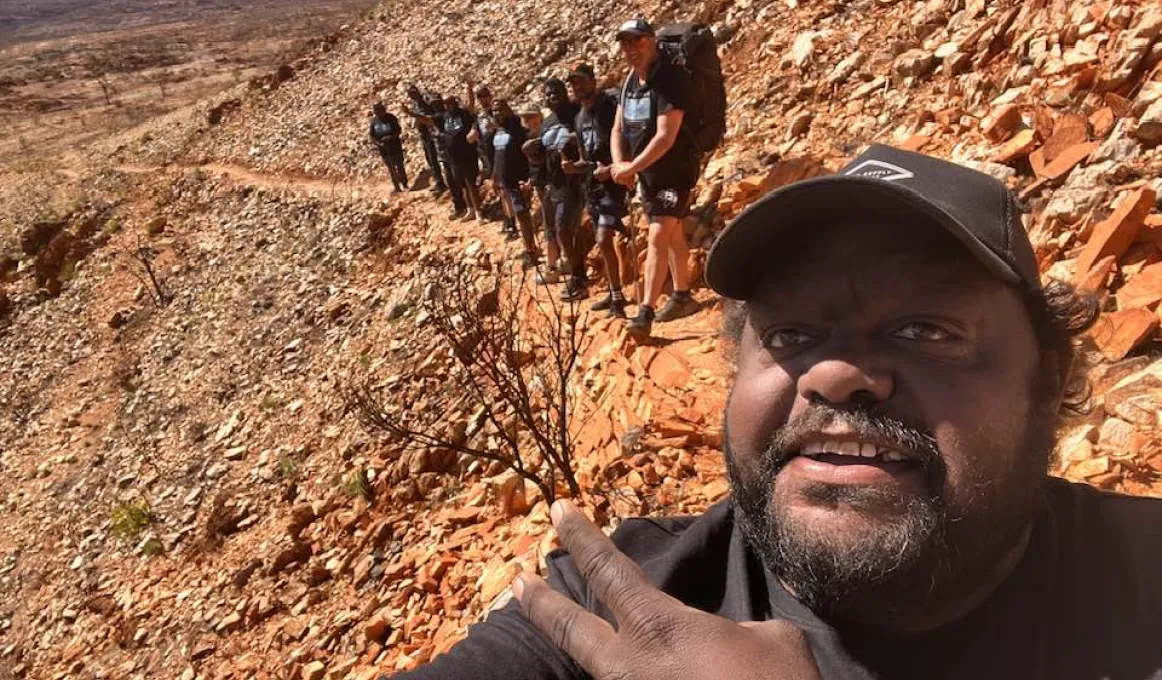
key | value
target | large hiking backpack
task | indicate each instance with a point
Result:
(692, 46)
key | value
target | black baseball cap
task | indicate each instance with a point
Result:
(581, 71)
(882, 183)
(635, 27)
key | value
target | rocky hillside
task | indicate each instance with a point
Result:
(185, 491)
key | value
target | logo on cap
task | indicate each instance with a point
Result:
(881, 171)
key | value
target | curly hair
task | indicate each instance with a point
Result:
(1059, 314)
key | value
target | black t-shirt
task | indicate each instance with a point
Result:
(456, 126)
(1085, 603)
(555, 136)
(667, 88)
(386, 131)
(595, 129)
(422, 108)
(510, 166)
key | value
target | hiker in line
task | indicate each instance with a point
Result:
(649, 145)
(510, 168)
(457, 155)
(462, 154)
(605, 199)
(421, 108)
(566, 191)
(534, 150)
(483, 125)
(889, 436)
(385, 133)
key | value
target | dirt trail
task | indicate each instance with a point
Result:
(347, 189)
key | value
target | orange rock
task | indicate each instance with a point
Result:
(1151, 231)
(1002, 123)
(1097, 278)
(716, 489)
(1061, 165)
(1102, 121)
(1118, 104)
(1118, 333)
(947, 118)
(376, 630)
(1022, 144)
(1114, 235)
(669, 371)
(1144, 290)
(1069, 130)
(915, 142)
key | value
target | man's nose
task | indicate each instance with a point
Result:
(848, 380)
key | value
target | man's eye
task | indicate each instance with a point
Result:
(786, 338)
(922, 331)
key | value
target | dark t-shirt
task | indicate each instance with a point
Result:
(667, 88)
(422, 108)
(595, 129)
(555, 136)
(456, 126)
(385, 132)
(1085, 603)
(510, 166)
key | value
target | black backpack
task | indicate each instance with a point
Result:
(692, 46)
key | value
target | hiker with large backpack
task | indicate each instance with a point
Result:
(670, 116)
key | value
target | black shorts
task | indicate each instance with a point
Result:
(606, 206)
(663, 200)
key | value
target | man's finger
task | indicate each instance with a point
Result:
(614, 578)
(577, 632)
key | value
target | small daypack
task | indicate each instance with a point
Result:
(692, 46)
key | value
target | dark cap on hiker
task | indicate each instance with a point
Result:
(582, 71)
(883, 183)
(636, 28)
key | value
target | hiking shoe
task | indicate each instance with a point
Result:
(617, 309)
(548, 276)
(603, 304)
(676, 308)
(642, 324)
(511, 235)
(528, 259)
(456, 214)
(574, 291)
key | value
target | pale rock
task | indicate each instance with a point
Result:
(914, 63)
(1149, 128)
(803, 48)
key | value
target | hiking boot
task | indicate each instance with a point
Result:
(457, 213)
(617, 309)
(511, 235)
(642, 324)
(676, 308)
(547, 276)
(574, 291)
(528, 259)
(603, 304)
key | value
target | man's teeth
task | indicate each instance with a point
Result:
(854, 449)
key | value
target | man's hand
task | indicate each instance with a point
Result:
(657, 636)
(602, 173)
(622, 174)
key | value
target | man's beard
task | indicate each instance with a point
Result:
(909, 564)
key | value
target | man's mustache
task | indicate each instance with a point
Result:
(862, 423)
